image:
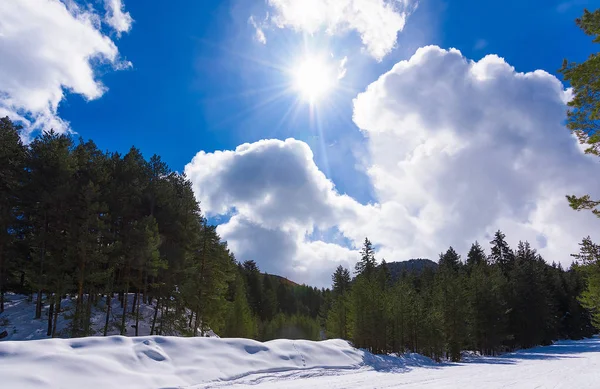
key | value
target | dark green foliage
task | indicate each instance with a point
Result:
(12, 164)
(590, 268)
(584, 113)
(367, 262)
(512, 300)
(449, 261)
(77, 221)
(501, 253)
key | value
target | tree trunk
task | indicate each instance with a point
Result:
(56, 312)
(146, 290)
(196, 323)
(88, 316)
(125, 299)
(38, 305)
(50, 316)
(162, 316)
(155, 315)
(137, 316)
(108, 302)
(135, 299)
(79, 315)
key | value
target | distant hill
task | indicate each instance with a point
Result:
(411, 266)
(279, 279)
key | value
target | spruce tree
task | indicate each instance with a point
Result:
(501, 253)
(12, 165)
(367, 263)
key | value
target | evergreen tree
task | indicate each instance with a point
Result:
(450, 260)
(338, 323)
(12, 164)
(341, 281)
(240, 322)
(269, 298)
(590, 258)
(501, 253)
(367, 263)
(476, 255)
(486, 290)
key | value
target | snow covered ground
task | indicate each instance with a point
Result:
(18, 318)
(197, 363)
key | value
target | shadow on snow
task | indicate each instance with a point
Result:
(565, 349)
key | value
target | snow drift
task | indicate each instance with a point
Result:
(159, 362)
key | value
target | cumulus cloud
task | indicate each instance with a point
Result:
(278, 197)
(47, 48)
(456, 150)
(115, 17)
(378, 22)
(462, 148)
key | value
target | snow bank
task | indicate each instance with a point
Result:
(160, 362)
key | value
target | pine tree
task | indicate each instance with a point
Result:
(254, 287)
(590, 258)
(476, 255)
(450, 298)
(501, 254)
(450, 260)
(338, 323)
(367, 263)
(269, 298)
(240, 322)
(486, 287)
(528, 316)
(341, 281)
(12, 164)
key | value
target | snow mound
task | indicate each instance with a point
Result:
(161, 362)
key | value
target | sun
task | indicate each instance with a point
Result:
(313, 78)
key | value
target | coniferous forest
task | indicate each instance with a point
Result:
(492, 303)
(76, 221)
(93, 225)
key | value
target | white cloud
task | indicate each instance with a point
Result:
(115, 17)
(259, 34)
(461, 148)
(47, 48)
(278, 197)
(378, 22)
(457, 149)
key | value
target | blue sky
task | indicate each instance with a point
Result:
(191, 76)
(196, 66)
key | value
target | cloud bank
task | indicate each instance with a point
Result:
(47, 48)
(377, 22)
(457, 150)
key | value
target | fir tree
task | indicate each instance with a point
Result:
(367, 263)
